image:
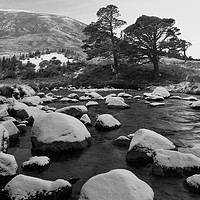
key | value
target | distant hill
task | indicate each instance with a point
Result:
(21, 31)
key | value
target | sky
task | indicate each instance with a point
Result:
(185, 12)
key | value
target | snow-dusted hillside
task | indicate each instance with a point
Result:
(23, 31)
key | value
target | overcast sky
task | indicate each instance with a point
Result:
(185, 12)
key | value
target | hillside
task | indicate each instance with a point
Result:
(21, 31)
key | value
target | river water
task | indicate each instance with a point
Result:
(176, 121)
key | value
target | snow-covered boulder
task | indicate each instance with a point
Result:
(190, 98)
(94, 95)
(124, 95)
(2, 99)
(84, 98)
(195, 105)
(75, 111)
(73, 96)
(91, 103)
(3, 111)
(161, 91)
(57, 132)
(175, 97)
(41, 94)
(32, 101)
(109, 99)
(142, 145)
(117, 104)
(13, 131)
(116, 184)
(23, 187)
(155, 104)
(69, 100)
(4, 138)
(106, 122)
(110, 95)
(122, 141)
(36, 163)
(8, 165)
(154, 98)
(26, 90)
(174, 163)
(193, 183)
(86, 120)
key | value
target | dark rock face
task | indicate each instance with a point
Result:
(59, 146)
(6, 91)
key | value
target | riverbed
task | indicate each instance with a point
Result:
(175, 120)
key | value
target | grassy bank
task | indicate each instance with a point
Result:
(129, 76)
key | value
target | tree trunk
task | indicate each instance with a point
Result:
(115, 62)
(156, 69)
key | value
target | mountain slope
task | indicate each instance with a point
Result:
(21, 31)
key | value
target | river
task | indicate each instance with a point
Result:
(175, 120)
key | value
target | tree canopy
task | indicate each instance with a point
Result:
(102, 40)
(148, 38)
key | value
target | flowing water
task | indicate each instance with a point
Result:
(176, 121)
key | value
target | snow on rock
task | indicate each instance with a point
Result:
(58, 132)
(175, 97)
(75, 110)
(117, 104)
(152, 97)
(142, 145)
(194, 150)
(26, 90)
(73, 96)
(174, 163)
(116, 184)
(110, 95)
(195, 105)
(36, 163)
(122, 141)
(3, 111)
(94, 95)
(155, 104)
(106, 122)
(124, 95)
(13, 131)
(31, 101)
(161, 91)
(193, 183)
(23, 187)
(69, 100)
(190, 98)
(4, 138)
(86, 120)
(109, 99)
(84, 98)
(91, 103)
(8, 165)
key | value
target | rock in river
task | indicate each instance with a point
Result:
(57, 132)
(116, 184)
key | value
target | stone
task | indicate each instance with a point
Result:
(32, 101)
(144, 142)
(193, 183)
(195, 105)
(106, 122)
(123, 141)
(116, 184)
(36, 163)
(23, 187)
(91, 103)
(73, 96)
(94, 95)
(117, 104)
(4, 139)
(174, 163)
(56, 132)
(161, 91)
(75, 111)
(86, 120)
(124, 95)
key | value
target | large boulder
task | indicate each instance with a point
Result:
(13, 131)
(142, 145)
(94, 95)
(161, 91)
(110, 98)
(26, 90)
(174, 163)
(23, 187)
(6, 90)
(4, 139)
(75, 111)
(32, 101)
(57, 132)
(106, 122)
(8, 165)
(115, 103)
(117, 184)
